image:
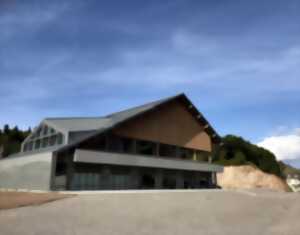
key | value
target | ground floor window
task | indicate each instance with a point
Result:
(147, 181)
(108, 177)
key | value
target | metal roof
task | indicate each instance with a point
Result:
(73, 124)
(108, 122)
(78, 124)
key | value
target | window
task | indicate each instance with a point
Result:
(147, 181)
(30, 146)
(115, 143)
(166, 150)
(38, 132)
(37, 144)
(146, 147)
(169, 180)
(129, 145)
(45, 142)
(202, 156)
(25, 148)
(186, 153)
(59, 138)
(45, 130)
(52, 140)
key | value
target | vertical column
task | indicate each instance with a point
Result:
(178, 152)
(70, 172)
(213, 179)
(179, 180)
(134, 178)
(53, 171)
(159, 179)
(106, 182)
(134, 147)
(194, 155)
(157, 149)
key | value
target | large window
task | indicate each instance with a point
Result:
(43, 137)
(202, 156)
(185, 153)
(146, 147)
(129, 145)
(166, 150)
(37, 144)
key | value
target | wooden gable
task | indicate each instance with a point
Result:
(171, 123)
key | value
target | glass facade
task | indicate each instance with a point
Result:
(98, 181)
(43, 137)
(110, 177)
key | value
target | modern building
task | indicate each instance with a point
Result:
(165, 144)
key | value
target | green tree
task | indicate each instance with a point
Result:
(237, 151)
(11, 139)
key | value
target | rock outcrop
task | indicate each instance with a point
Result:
(249, 177)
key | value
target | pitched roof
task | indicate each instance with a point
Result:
(102, 124)
(78, 124)
(70, 124)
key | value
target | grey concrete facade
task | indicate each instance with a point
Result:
(29, 172)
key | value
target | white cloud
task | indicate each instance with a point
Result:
(283, 146)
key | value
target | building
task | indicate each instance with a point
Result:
(165, 144)
(293, 181)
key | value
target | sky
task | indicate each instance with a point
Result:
(238, 61)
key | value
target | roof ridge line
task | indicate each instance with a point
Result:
(65, 118)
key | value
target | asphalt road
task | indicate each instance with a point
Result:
(184, 213)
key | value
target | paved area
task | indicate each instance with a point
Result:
(192, 212)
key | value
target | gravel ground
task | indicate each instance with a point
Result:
(159, 212)
(10, 200)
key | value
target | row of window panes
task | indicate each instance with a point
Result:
(44, 142)
(98, 181)
(127, 145)
(43, 131)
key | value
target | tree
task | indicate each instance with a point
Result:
(237, 151)
(6, 129)
(11, 139)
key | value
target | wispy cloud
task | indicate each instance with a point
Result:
(238, 62)
(30, 17)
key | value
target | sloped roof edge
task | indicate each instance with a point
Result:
(140, 110)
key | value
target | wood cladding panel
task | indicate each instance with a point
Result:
(171, 124)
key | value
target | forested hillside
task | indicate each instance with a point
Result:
(237, 151)
(11, 139)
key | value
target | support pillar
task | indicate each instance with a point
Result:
(179, 180)
(213, 178)
(159, 179)
(134, 178)
(106, 179)
(70, 172)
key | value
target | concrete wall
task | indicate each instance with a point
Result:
(86, 156)
(26, 172)
(170, 124)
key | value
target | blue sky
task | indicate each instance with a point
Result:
(238, 61)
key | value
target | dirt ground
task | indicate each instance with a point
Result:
(9, 200)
